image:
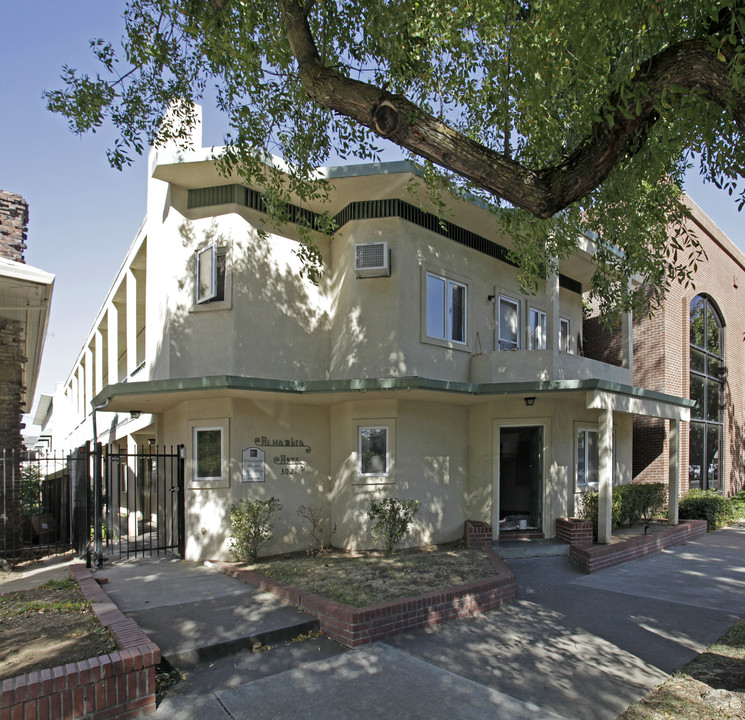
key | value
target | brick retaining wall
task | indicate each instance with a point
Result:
(353, 626)
(116, 686)
(599, 557)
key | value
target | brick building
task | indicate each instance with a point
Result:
(692, 347)
(25, 296)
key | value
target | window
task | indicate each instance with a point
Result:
(210, 274)
(588, 457)
(509, 324)
(537, 335)
(446, 309)
(564, 335)
(707, 390)
(208, 453)
(373, 451)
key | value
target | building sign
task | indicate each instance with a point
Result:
(253, 465)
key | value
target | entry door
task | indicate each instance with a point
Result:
(521, 473)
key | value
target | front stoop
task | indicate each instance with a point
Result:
(353, 626)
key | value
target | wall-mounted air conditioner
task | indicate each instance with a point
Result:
(372, 259)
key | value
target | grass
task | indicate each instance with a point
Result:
(375, 578)
(710, 687)
(13, 608)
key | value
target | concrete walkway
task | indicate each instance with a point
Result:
(572, 646)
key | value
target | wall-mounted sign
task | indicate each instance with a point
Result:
(291, 442)
(253, 465)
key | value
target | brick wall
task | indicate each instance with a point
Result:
(13, 221)
(662, 359)
(13, 224)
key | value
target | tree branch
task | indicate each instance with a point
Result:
(689, 64)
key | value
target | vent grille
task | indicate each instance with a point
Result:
(372, 259)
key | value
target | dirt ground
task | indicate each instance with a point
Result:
(48, 626)
(367, 578)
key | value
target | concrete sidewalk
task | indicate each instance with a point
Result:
(572, 646)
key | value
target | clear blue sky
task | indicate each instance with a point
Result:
(84, 214)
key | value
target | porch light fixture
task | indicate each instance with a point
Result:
(134, 414)
(529, 401)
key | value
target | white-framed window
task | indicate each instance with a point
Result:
(508, 323)
(373, 451)
(208, 453)
(446, 309)
(564, 328)
(537, 331)
(588, 457)
(209, 278)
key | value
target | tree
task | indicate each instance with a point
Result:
(564, 116)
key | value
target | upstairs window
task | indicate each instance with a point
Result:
(210, 274)
(564, 335)
(446, 309)
(537, 336)
(509, 324)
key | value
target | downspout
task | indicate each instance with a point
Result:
(97, 489)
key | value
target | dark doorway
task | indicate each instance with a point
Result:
(520, 477)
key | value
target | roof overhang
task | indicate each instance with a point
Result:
(157, 396)
(26, 297)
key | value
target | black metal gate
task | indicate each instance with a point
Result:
(49, 502)
(143, 501)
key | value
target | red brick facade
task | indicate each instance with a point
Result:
(662, 358)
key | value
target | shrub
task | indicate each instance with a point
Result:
(392, 520)
(251, 527)
(738, 505)
(707, 505)
(314, 516)
(630, 503)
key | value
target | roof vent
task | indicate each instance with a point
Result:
(372, 259)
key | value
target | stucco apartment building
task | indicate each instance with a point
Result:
(415, 368)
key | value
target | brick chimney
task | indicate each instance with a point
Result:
(13, 226)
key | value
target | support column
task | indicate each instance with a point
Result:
(131, 320)
(553, 321)
(605, 476)
(88, 395)
(97, 361)
(112, 336)
(674, 476)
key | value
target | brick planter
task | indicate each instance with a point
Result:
(599, 557)
(108, 687)
(353, 626)
(574, 531)
(477, 534)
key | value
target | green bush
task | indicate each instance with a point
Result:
(738, 505)
(630, 503)
(707, 505)
(251, 527)
(392, 520)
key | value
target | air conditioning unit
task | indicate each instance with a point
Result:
(372, 259)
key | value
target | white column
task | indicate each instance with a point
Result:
(112, 336)
(88, 396)
(553, 320)
(674, 476)
(131, 301)
(97, 361)
(605, 475)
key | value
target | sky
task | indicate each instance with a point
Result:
(83, 213)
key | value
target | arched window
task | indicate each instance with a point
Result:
(707, 389)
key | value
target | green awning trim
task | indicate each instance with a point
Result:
(320, 387)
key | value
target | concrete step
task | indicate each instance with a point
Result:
(518, 549)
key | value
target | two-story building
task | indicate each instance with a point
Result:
(414, 368)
